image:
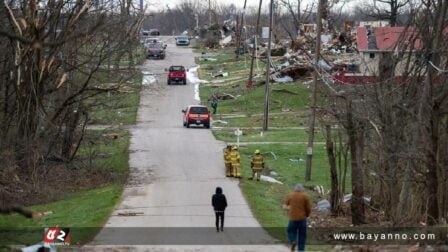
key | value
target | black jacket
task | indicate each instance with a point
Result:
(219, 201)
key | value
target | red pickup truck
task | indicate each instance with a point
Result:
(196, 114)
(177, 74)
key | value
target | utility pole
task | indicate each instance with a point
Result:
(141, 5)
(196, 16)
(209, 13)
(240, 31)
(268, 70)
(254, 51)
(309, 150)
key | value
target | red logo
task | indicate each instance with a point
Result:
(57, 236)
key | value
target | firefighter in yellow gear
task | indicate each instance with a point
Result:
(257, 165)
(228, 161)
(236, 162)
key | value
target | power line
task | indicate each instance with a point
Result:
(254, 49)
(437, 68)
(268, 70)
(309, 150)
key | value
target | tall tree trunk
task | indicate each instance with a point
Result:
(432, 184)
(334, 194)
(405, 191)
(356, 142)
(393, 12)
(430, 117)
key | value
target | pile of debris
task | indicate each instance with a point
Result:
(300, 64)
(292, 60)
(338, 54)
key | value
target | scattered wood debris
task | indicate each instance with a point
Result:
(37, 215)
(113, 136)
(130, 213)
(117, 87)
(225, 96)
(284, 90)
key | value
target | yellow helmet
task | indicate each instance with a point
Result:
(257, 151)
(235, 147)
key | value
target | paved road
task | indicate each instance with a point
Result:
(174, 172)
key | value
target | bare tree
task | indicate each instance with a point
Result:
(52, 52)
(386, 9)
(296, 14)
(403, 119)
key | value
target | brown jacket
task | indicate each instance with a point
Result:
(299, 206)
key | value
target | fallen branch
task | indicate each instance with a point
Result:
(225, 97)
(18, 209)
(283, 90)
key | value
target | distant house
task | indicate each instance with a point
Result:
(377, 23)
(376, 47)
(309, 29)
(377, 43)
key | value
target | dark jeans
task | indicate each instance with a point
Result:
(219, 215)
(297, 230)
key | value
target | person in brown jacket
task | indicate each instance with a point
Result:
(298, 206)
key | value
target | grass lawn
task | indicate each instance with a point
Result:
(289, 107)
(117, 107)
(103, 155)
(299, 119)
(107, 153)
(275, 135)
(291, 96)
(85, 208)
(88, 208)
(139, 57)
(233, 68)
(226, 54)
(265, 199)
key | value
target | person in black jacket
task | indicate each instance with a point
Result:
(219, 204)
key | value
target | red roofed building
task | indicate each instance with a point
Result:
(377, 47)
(374, 43)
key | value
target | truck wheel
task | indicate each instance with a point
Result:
(185, 82)
(207, 126)
(169, 82)
(188, 125)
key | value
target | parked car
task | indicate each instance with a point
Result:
(149, 41)
(156, 50)
(143, 35)
(197, 115)
(154, 32)
(182, 40)
(163, 44)
(154, 40)
(177, 74)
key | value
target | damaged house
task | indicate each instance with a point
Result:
(378, 50)
(378, 44)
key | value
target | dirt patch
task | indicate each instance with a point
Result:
(139, 177)
(50, 185)
(52, 179)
